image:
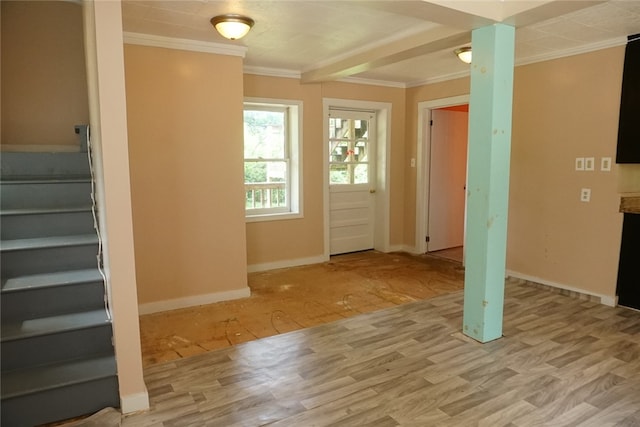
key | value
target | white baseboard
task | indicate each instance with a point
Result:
(604, 299)
(286, 263)
(173, 304)
(403, 248)
(134, 402)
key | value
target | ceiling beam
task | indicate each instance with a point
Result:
(425, 42)
(548, 10)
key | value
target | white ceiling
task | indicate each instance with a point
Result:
(387, 38)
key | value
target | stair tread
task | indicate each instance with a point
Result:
(18, 329)
(38, 211)
(40, 378)
(44, 179)
(49, 242)
(51, 279)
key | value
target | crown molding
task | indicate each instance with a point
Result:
(184, 44)
(272, 72)
(592, 47)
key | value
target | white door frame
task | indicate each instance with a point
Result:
(423, 163)
(383, 143)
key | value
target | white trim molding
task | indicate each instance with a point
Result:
(184, 44)
(254, 268)
(604, 299)
(134, 402)
(423, 148)
(192, 301)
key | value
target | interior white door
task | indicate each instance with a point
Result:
(351, 181)
(447, 179)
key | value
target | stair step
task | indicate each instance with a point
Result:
(62, 179)
(39, 164)
(43, 211)
(48, 242)
(21, 382)
(56, 192)
(45, 222)
(17, 330)
(61, 278)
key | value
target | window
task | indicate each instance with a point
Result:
(349, 147)
(272, 159)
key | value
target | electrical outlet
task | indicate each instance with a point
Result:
(589, 163)
(585, 195)
(605, 164)
(579, 163)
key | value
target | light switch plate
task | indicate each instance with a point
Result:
(605, 164)
(589, 163)
(579, 163)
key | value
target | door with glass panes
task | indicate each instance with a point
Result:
(351, 180)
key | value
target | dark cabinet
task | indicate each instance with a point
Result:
(628, 127)
(629, 268)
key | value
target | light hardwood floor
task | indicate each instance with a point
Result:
(562, 362)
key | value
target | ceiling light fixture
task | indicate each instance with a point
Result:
(464, 54)
(232, 26)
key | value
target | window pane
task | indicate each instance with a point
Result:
(361, 174)
(264, 134)
(339, 151)
(265, 184)
(360, 152)
(263, 172)
(339, 174)
(339, 128)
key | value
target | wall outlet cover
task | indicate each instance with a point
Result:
(585, 195)
(605, 164)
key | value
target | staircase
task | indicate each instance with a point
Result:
(56, 337)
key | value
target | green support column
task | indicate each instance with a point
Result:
(488, 180)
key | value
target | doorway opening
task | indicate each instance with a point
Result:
(441, 175)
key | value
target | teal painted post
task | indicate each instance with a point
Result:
(488, 180)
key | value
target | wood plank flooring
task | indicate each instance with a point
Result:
(562, 362)
(290, 299)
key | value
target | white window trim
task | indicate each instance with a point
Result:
(294, 123)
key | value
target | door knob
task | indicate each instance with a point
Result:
(372, 190)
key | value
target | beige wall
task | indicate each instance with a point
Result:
(185, 143)
(273, 241)
(283, 240)
(44, 90)
(563, 109)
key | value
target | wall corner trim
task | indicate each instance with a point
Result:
(184, 44)
(176, 303)
(134, 402)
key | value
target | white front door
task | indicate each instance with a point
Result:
(351, 180)
(447, 179)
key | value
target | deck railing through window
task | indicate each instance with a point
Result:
(265, 195)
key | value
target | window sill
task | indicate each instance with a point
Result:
(273, 217)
